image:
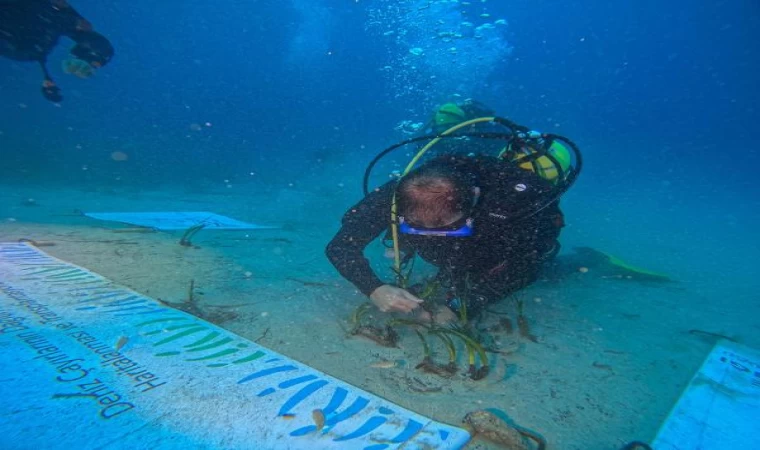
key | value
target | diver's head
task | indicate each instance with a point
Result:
(92, 48)
(435, 200)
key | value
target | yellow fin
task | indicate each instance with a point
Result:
(635, 271)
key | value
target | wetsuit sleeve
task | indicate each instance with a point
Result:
(361, 224)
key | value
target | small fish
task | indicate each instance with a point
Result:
(288, 416)
(121, 343)
(384, 364)
(319, 419)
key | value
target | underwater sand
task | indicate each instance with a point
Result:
(611, 359)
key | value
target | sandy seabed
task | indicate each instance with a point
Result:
(611, 358)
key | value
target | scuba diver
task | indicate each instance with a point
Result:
(30, 30)
(488, 223)
(459, 214)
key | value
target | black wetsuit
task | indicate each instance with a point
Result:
(30, 30)
(505, 253)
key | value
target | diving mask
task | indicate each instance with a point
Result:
(463, 227)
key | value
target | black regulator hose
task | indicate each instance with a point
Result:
(516, 131)
(368, 171)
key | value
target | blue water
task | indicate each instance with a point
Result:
(661, 97)
(271, 73)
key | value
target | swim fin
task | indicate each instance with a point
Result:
(609, 266)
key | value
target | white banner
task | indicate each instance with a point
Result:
(88, 362)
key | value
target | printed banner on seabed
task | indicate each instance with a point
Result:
(85, 360)
(720, 408)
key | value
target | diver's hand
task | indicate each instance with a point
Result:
(443, 315)
(389, 298)
(51, 91)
